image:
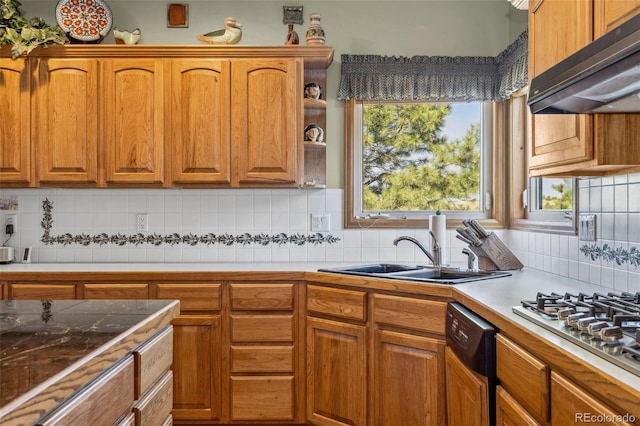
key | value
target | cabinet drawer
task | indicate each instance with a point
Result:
(262, 296)
(42, 291)
(116, 291)
(337, 302)
(101, 403)
(262, 328)
(152, 360)
(193, 297)
(509, 412)
(524, 377)
(155, 406)
(262, 359)
(262, 398)
(415, 314)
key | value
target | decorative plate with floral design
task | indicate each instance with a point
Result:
(84, 20)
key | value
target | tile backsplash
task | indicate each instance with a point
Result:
(615, 201)
(267, 214)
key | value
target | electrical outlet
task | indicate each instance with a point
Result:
(587, 227)
(320, 222)
(11, 223)
(142, 222)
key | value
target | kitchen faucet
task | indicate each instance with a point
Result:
(434, 258)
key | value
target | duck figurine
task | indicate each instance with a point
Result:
(126, 37)
(231, 34)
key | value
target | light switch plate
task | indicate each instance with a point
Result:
(142, 222)
(587, 227)
(320, 222)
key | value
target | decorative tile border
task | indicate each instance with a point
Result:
(174, 239)
(609, 254)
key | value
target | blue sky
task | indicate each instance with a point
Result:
(461, 117)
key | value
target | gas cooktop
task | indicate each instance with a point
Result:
(607, 325)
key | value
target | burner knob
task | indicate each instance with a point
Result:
(612, 335)
(572, 319)
(595, 329)
(563, 314)
(583, 324)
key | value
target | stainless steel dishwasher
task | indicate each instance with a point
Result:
(470, 368)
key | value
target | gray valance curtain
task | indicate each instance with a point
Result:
(436, 78)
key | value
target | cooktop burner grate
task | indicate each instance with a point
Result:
(607, 325)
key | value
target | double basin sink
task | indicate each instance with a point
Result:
(417, 273)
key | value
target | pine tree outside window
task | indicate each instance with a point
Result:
(415, 158)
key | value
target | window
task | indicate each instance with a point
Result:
(551, 198)
(411, 159)
(538, 203)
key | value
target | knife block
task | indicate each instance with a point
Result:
(494, 255)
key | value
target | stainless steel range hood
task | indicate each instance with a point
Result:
(602, 77)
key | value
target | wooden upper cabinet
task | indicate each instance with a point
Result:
(15, 124)
(266, 117)
(578, 144)
(67, 121)
(608, 14)
(159, 116)
(134, 117)
(200, 131)
(558, 139)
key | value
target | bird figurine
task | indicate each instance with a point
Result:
(126, 37)
(231, 34)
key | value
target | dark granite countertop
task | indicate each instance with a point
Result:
(43, 343)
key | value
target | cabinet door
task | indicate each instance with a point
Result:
(467, 394)
(197, 367)
(266, 117)
(201, 137)
(336, 373)
(409, 382)
(133, 121)
(565, 138)
(608, 14)
(15, 142)
(67, 121)
(570, 405)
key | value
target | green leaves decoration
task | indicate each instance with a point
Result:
(25, 35)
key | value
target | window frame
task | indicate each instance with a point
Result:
(520, 216)
(495, 217)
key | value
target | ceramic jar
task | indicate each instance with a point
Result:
(315, 33)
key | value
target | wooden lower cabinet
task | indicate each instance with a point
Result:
(336, 373)
(467, 394)
(197, 367)
(266, 380)
(570, 405)
(407, 380)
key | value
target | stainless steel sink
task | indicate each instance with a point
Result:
(417, 273)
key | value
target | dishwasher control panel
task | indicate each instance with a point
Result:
(472, 339)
